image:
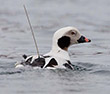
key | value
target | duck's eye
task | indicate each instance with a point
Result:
(72, 33)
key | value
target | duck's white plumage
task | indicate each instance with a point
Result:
(58, 57)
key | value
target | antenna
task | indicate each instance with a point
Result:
(31, 30)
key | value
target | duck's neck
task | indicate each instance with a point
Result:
(58, 52)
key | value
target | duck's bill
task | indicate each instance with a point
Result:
(83, 39)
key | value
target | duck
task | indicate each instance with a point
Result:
(58, 57)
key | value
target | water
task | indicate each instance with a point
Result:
(90, 17)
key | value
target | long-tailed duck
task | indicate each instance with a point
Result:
(58, 57)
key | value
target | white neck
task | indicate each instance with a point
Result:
(58, 52)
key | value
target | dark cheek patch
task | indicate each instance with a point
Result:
(64, 42)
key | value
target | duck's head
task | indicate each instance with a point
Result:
(67, 36)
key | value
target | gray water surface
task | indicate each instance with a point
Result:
(91, 17)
